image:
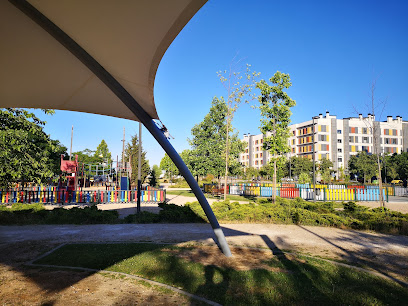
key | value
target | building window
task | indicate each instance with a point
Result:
(365, 140)
(340, 159)
(322, 138)
(365, 131)
(365, 149)
(394, 141)
(338, 131)
(338, 140)
(339, 150)
(353, 130)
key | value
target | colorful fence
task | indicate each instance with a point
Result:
(95, 197)
(306, 191)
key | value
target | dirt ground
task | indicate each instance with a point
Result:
(26, 285)
(251, 245)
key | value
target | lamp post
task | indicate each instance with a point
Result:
(314, 160)
(290, 165)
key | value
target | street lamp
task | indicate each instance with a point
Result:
(314, 159)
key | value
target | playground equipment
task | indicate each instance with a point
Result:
(70, 167)
(110, 174)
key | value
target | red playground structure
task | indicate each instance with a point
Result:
(70, 167)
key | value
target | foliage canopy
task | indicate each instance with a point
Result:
(27, 153)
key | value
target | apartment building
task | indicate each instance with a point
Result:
(334, 139)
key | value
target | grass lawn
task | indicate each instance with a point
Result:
(266, 280)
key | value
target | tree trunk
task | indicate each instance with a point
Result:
(226, 161)
(380, 182)
(274, 183)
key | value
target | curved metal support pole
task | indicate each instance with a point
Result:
(175, 157)
(132, 104)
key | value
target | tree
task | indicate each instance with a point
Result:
(275, 105)
(27, 153)
(238, 89)
(401, 162)
(364, 165)
(304, 178)
(251, 173)
(153, 176)
(132, 153)
(325, 169)
(281, 167)
(374, 128)
(156, 171)
(341, 173)
(325, 164)
(167, 165)
(102, 151)
(301, 164)
(207, 155)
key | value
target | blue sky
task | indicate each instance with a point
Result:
(332, 50)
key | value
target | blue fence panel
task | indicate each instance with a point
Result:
(266, 191)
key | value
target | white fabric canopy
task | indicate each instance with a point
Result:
(127, 37)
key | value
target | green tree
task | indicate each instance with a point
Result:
(132, 153)
(275, 105)
(325, 168)
(251, 173)
(156, 170)
(301, 164)
(103, 152)
(153, 176)
(341, 173)
(326, 176)
(167, 165)
(27, 153)
(363, 165)
(325, 164)
(304, 178)
(401, 163)
(208, 140)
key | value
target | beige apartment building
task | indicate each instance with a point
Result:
(334, 139)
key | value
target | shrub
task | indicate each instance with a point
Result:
(170, 213)
(299, 211)
(209, 177)
(142, 217)
(36, 214)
